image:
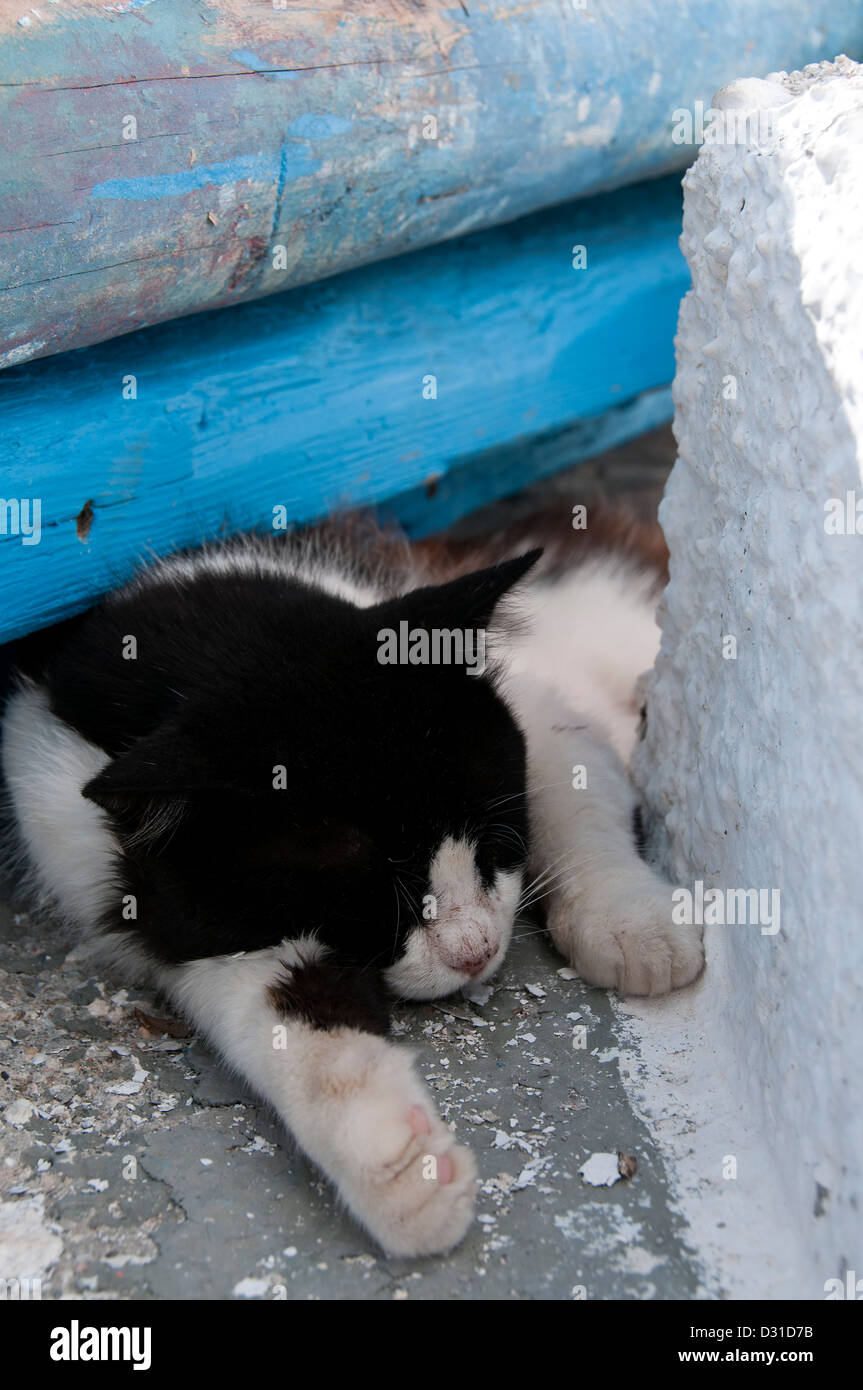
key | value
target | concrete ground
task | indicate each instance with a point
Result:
(133, 1166)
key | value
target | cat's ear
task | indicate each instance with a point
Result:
(161, 770)
(468, 601)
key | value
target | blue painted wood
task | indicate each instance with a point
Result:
(501, 471)
(342, 132)
(353, 390)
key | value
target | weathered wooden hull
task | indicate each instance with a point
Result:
(491, 359)
(340, 132)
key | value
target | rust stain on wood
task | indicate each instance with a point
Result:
(84, 521)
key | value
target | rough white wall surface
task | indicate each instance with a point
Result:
(752, 764)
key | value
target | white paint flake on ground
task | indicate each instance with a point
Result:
(27, 1244)
(601, 1170)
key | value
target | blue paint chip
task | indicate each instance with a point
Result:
(319, 127)
(251, 60)
(262, 168)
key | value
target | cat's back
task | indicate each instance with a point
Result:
(221, 616)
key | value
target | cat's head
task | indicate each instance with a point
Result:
(342, 772)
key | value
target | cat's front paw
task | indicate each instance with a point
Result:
(628, 941)
(409, 1183)
(425, 1186)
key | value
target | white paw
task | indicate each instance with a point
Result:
(401, 1171)
(422, 1185)
(629, 941)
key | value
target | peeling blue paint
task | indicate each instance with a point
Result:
(511, 77)
(259, 168)
(258, 65)
(315, 398)
(322, 127)
(124, 6)
(250, 60)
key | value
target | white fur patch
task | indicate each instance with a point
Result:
(608, 912)
(468, 935)
(256, 556)
(70, 846)
(590, 635)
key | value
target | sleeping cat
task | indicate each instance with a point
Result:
(220, 778)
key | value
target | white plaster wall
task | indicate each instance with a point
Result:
(753, 768)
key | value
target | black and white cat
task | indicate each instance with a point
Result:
(216, 776)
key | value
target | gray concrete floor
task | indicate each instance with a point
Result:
(133, 1166)
(137, 1168)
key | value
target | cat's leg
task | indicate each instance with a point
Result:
(608, 912)
(308, 1037)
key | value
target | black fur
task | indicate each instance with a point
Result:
(326, 994)
(638, 831)
(236, 675)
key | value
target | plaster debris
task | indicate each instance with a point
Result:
(530, 1172)
(478, 994)
(641, 1261)
(251, 1288)
(365, 1261)
(259, 1145)
(19, 1113)
(128, 1088)
(29, 1246)
(187, 1188)
(601, 1170)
